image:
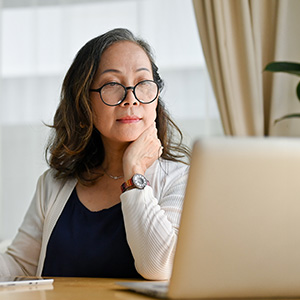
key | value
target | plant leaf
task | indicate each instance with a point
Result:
(287, 117)
(286, 67)
(298, 90)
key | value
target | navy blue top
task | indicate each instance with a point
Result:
(89, 244)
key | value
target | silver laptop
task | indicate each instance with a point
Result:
(239, 234)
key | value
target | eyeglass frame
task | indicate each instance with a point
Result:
(126, 91)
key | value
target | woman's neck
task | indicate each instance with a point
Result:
(113, 161)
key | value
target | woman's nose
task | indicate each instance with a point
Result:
(130, 98)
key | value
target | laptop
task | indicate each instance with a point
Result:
(239, 233)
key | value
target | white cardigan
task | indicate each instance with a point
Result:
(151, 218)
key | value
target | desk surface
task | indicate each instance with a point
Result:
(73, 289)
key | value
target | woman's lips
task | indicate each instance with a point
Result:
(129, 119)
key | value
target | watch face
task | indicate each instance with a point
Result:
(139, 181)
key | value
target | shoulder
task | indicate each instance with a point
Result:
(47, 180)
(167, 169)
(49, 187)
(167, 177)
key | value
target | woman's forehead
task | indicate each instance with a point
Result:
(123, 57)
(125, 52)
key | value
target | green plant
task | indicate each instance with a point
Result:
(291, 68)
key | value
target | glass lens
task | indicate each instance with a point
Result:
(146, 91)
(112, 93)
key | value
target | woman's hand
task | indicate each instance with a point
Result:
(142, 153)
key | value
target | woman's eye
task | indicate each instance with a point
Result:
(112, 83)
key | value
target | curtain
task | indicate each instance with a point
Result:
(239, 37)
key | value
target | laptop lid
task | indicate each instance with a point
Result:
(240, 227)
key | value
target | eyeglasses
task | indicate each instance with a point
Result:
(114, 93)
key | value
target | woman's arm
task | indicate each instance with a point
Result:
(152, 225)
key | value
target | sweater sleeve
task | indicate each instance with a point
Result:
(152, 224)
(21, 257)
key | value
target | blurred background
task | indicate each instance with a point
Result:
(39, 40)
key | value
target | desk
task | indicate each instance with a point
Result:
(73, 289)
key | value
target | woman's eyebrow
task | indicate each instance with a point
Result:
(118, 72)
(111, 70)
(143, 69)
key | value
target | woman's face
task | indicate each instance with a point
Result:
(126, 63)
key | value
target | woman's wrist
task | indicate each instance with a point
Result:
(130, 171)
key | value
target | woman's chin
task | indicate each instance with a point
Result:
(126, 139)
(129, 137)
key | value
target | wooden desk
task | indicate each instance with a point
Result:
(74, 289)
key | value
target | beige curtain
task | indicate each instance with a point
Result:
(239, 37)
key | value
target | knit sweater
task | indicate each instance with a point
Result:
(151, 218)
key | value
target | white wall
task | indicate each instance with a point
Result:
(21, 164)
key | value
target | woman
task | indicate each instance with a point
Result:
(110, 204)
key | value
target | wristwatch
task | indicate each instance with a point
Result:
(136, 181)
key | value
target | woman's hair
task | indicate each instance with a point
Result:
(75, 146)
